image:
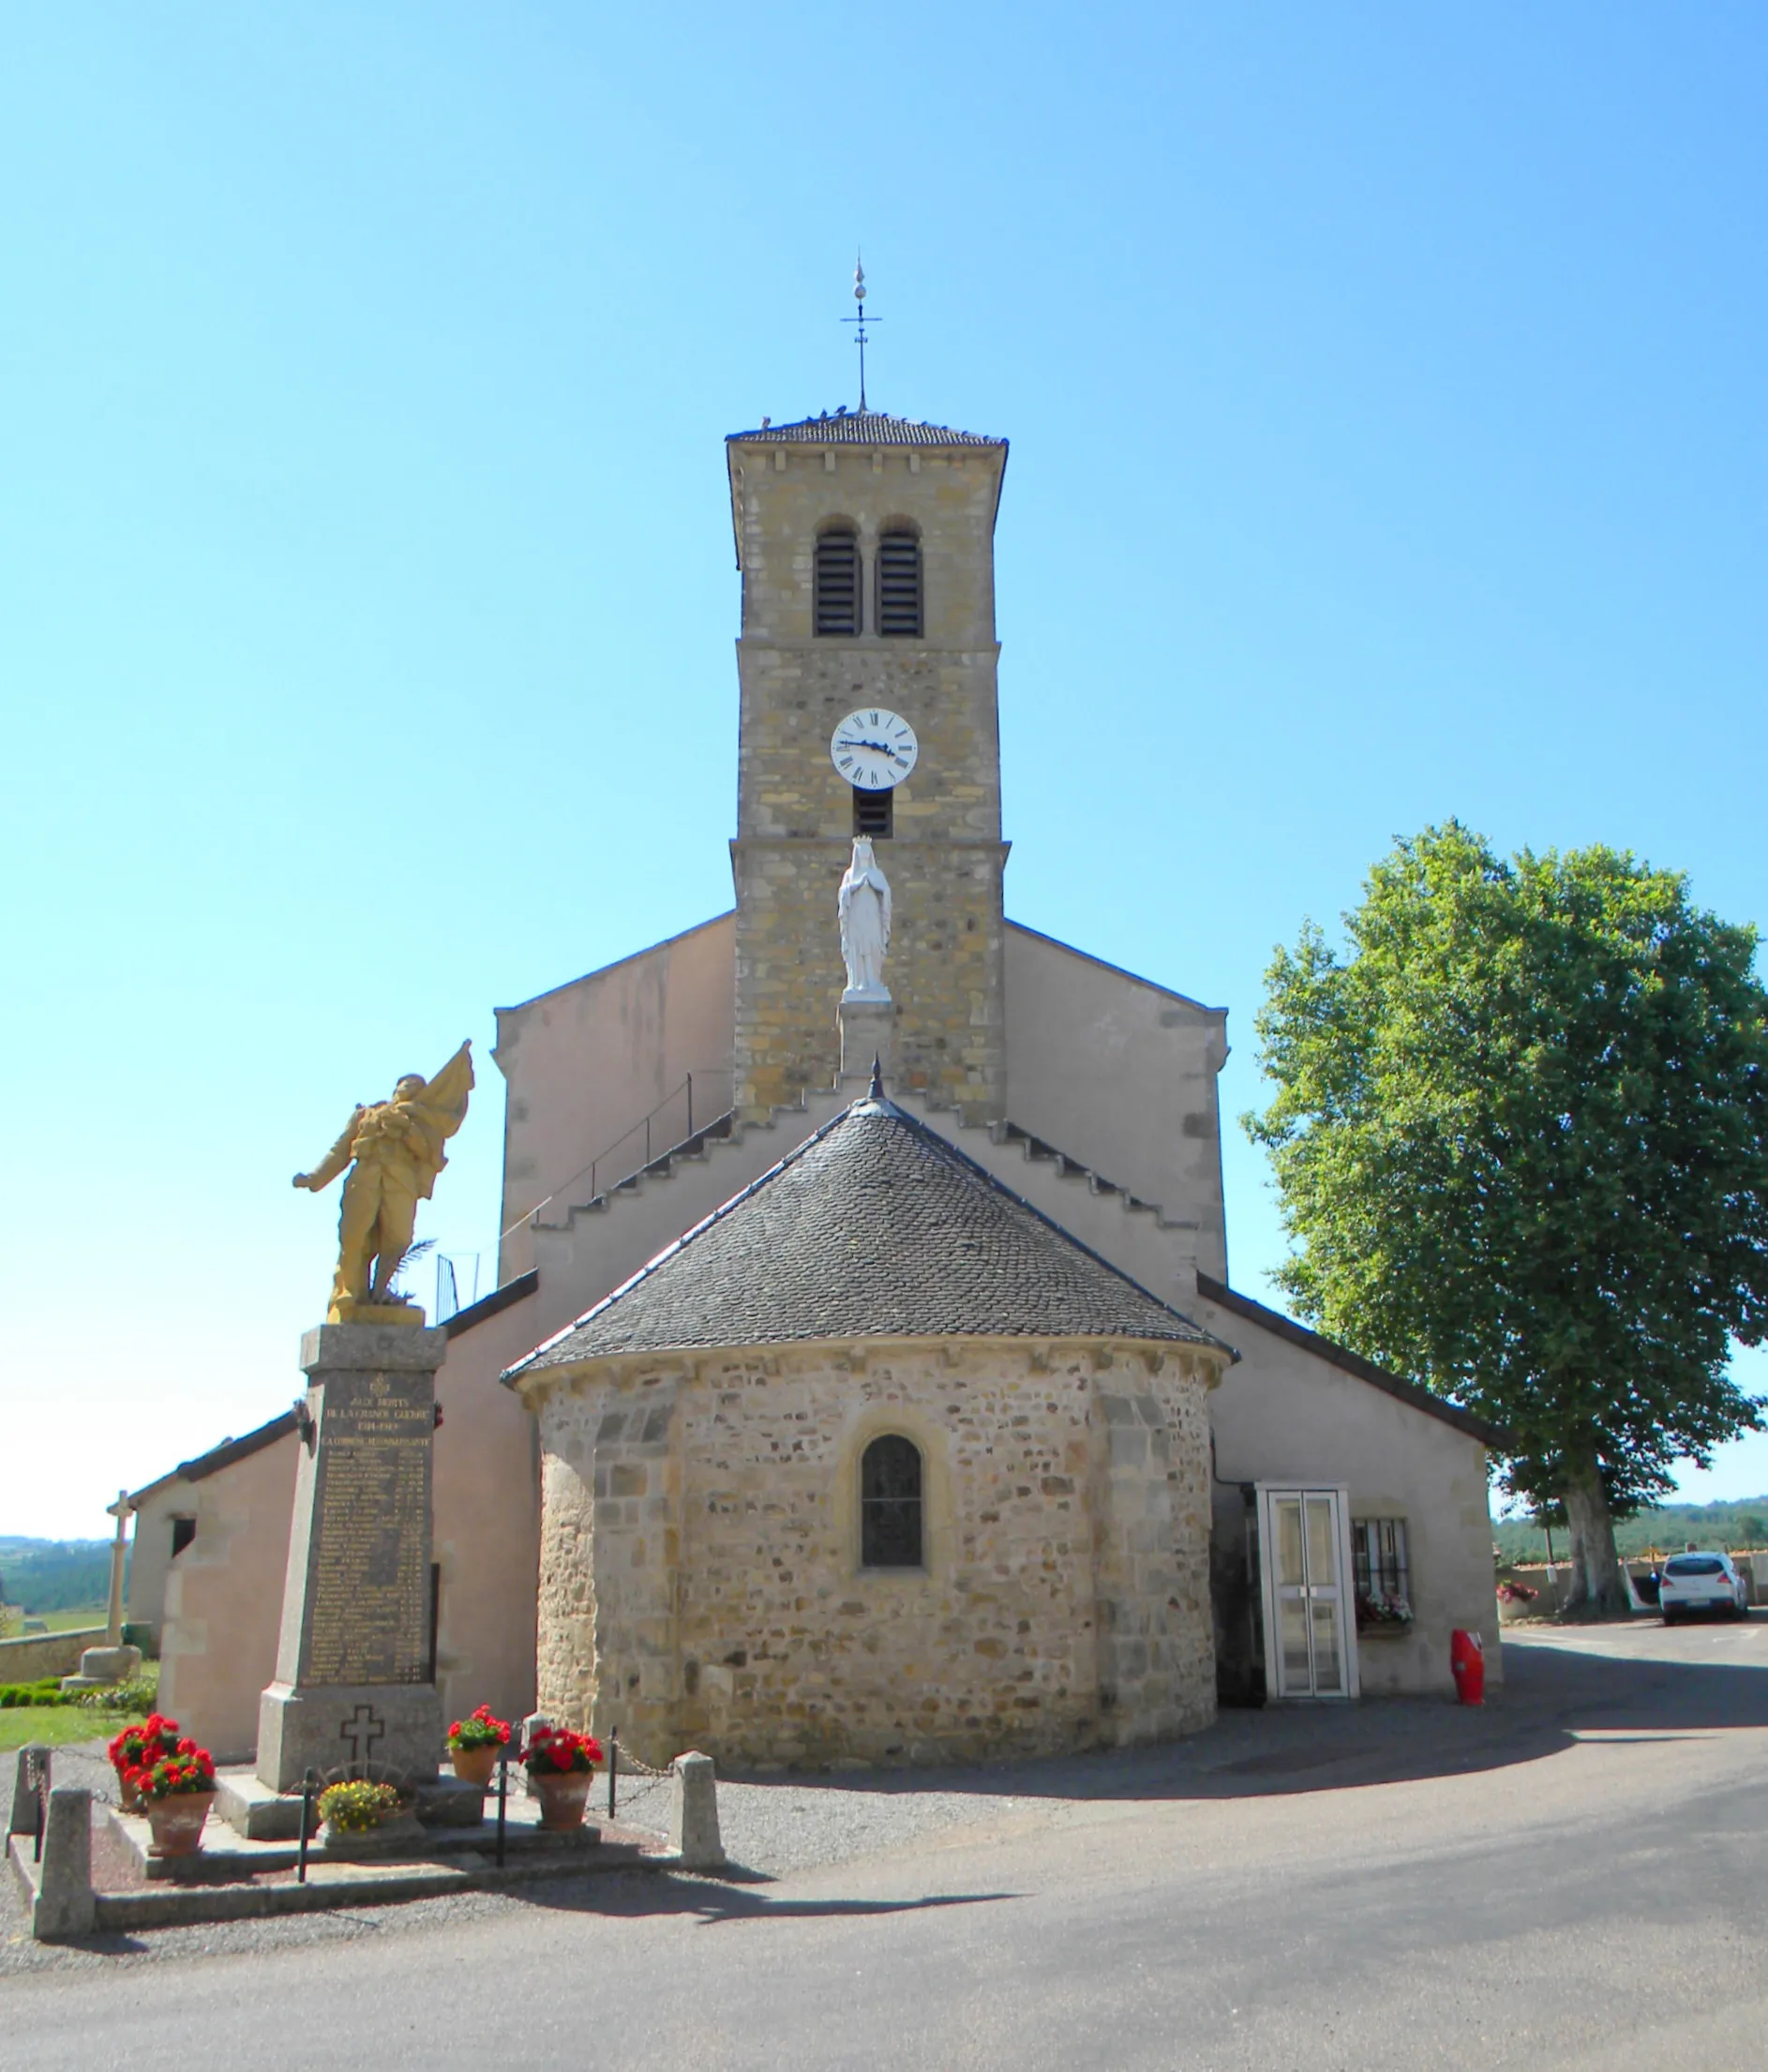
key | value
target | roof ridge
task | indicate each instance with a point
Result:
(865, 428)
(677, 1244)
(945, 1145)
(1009, 1275)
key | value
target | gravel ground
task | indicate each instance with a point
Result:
(778, 1825)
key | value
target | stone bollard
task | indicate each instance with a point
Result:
(694, 1814)
(65, 1905)
(533, 1720)
(34, 1761)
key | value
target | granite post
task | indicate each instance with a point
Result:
(694, 1814)
(64, 1904)
(353, 1688)
(33, 1765)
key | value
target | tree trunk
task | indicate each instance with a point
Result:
(1597, 1590)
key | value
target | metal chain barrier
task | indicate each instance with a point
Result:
(622, 1763)
(37, 1774)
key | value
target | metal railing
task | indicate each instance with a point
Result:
(632, 1151)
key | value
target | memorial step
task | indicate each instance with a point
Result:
(226, 1855)
(253, 1810)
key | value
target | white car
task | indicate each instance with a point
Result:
(1702, 1582)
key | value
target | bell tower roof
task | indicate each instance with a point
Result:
(863, 427)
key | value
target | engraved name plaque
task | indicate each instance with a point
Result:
(367, 1612)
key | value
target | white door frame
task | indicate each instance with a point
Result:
(1341, 1496)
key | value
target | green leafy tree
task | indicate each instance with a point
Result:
(1520, 1138)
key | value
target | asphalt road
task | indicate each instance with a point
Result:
(1575, 1877)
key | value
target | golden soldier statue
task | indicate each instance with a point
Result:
(397, 1148)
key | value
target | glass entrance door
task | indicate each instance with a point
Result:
(1307, 1650)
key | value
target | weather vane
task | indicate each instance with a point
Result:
(860, 320)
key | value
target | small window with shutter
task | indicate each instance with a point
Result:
(873, 814)
(899, 585)
(838, 582)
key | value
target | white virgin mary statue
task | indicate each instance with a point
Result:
(865, 924)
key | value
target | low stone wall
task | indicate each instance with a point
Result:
(1550, 1595)
(39, 1654)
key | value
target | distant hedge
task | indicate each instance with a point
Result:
(47, 1690)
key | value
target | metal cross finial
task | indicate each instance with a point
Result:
(860, 320)
(877, 1091)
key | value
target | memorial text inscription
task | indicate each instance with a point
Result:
(369, 1610)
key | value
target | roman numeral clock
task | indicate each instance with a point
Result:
(874, 749)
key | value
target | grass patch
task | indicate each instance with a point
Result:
(56, 1725)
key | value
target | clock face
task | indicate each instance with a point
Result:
(874, 749)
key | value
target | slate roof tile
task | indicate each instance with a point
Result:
(874, 1227)
(871, 428)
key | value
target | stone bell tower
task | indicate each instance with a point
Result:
(866, 548)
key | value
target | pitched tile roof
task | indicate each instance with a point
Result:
(871, 428)
(873, 1227)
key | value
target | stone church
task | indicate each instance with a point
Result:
(822, 1413)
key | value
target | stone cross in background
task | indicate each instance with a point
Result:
(121, 1511)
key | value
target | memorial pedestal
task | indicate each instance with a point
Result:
(353, 1686)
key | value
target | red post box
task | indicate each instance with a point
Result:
(1467, 1663)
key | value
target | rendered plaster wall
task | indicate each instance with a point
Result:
(700, 1576)
(1120, 1074)
(795, 811)
(586, 1063)
(487, 1519)
(1287, 1415)
(223, 1599)
(150, 1552)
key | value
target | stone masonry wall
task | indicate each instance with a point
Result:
(794, 811)
(1064, 1600)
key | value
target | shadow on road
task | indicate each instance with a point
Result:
(712, 1900)
(1552, 1695)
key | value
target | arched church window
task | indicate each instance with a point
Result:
(899, 583)
(890, 1504)
(837, 580)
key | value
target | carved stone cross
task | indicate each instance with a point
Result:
(362, 1730)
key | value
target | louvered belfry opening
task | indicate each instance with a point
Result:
(873, 814)
(899, 584)
(838, 582)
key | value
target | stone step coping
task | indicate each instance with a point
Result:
(1002, 1133)
(328, 1884)
(259, 1812)
(224, 1853)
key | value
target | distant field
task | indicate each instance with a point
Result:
(74, 1617)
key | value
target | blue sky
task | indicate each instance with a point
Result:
(1387, 430)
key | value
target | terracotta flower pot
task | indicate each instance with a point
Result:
(127, 1796)
(178, 1821)
(563, 1795)
(475, 1765)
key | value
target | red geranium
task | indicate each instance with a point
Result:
(480, 1729)
(553, 1750)
(188, 1769)
(143, 1742)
